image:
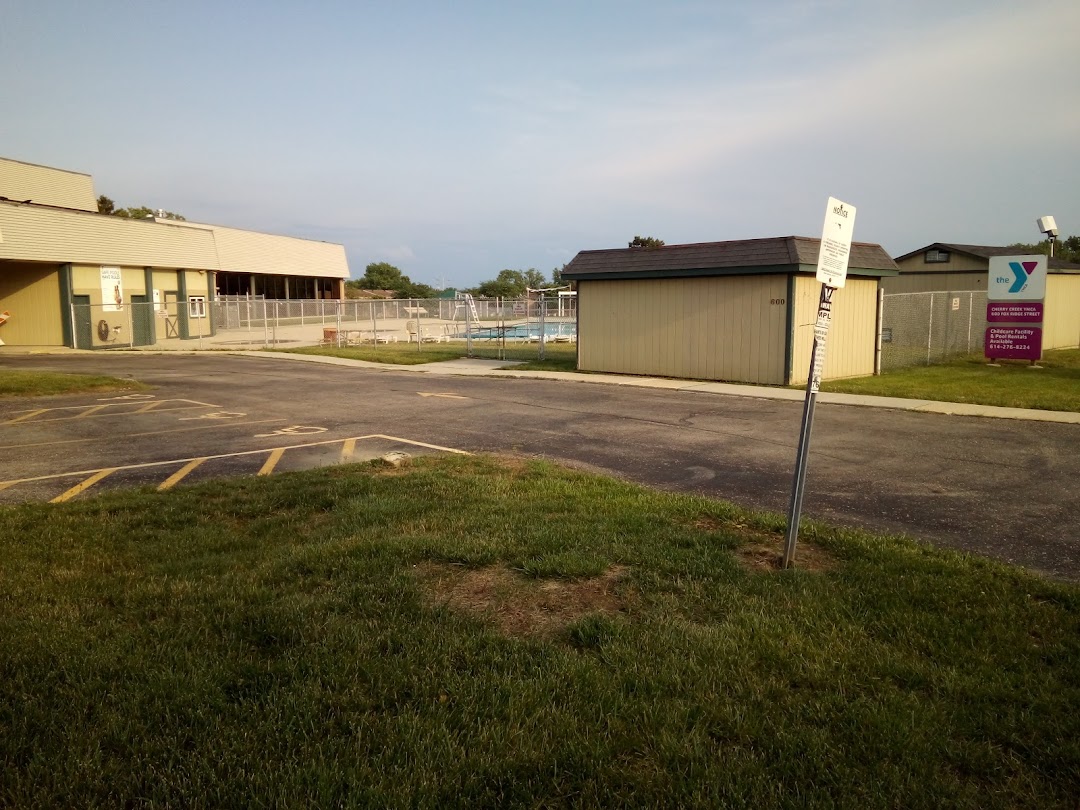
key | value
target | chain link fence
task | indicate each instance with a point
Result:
(919, 329)
(515, 329)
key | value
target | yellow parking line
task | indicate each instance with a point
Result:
(347, 448)
(27, 415)
(85, 485)
(91, 410)
(5, 484)
(149, 406)
(179, 475)
(271, 462)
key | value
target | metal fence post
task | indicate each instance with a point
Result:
(468, 330)
(543, 335)
(374, 328)
(880, 322)
(930, 330)
(971, 307)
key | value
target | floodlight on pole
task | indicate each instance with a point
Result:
(1048, 226)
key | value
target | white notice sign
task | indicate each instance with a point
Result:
(835, 243)
(112, 290)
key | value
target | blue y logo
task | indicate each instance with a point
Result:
(1022, 271)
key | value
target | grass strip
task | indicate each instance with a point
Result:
(1055, 386)
(51, 383)
(559, 356)
(470, 632)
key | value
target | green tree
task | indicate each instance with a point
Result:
(385, 276)
(647, 242)
(508, 284)
(1067, 249)
(142, 212)
(511, 284)
(105, 205)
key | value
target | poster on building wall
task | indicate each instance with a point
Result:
(112, 290)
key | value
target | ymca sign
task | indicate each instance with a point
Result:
(1015, 292)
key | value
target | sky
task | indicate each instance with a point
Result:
(454, 140)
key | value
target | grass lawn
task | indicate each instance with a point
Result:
(465, 632)
(395, 353)
(1013, 384)
(558, 356)
(49, 383)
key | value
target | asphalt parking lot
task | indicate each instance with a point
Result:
(1003, 488)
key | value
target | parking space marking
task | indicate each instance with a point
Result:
(292, 430)
(118, 409)
(213, 415)
(347, 448)
(85, 485)
(81, 415)
(25, 416)
(275, 454)
(180, 474)
(88, 439)
(270, 463)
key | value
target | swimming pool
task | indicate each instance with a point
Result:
(523, 331)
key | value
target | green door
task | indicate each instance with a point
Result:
(84, 335)
(142, 321)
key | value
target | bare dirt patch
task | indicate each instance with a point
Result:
(763, 551)
(523, 606)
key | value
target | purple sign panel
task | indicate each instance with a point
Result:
(1014, 342)
(1014, 312)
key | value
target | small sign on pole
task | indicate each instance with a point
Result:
(835, 243)
(832, 273)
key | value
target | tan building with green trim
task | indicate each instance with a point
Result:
(60, 261)
(741, 311)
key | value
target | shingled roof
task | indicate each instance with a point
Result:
(988, 252)
(780, 254)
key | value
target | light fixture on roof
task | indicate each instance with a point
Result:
(1049, 227)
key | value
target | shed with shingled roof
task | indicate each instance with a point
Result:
(740, 310)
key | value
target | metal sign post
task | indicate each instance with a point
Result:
(832, 273)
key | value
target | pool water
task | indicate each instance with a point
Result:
(522, 331)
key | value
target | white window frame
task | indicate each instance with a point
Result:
(196, 306)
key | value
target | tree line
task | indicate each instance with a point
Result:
(107, 206)
(507, 284)
(1068, 249)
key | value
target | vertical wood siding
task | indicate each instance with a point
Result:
(31, 293)
(1061, 316)
(722, 328)
(852, 335)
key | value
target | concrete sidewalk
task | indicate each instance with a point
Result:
(499, 368)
